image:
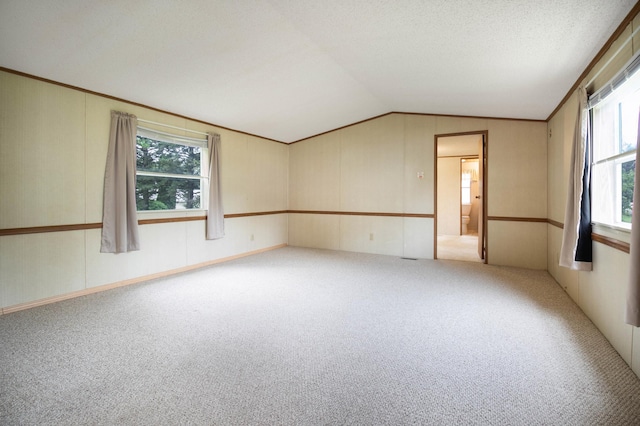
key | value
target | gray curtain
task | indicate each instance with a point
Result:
(576, 238)
(119, 215)
(215, 214)
(633, 292)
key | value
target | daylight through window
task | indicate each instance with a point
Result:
(465, 187)
(615, 133)
(169, 171)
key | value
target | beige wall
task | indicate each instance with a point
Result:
(53, 147)
(600, 293)
(54, 144)
(373, 166)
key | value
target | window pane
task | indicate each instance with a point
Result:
(603, 202)
(628, 171)
(629, 108)
(164, 157)
(164, 193)
(604, 131)
(466, 195)
(615, 121)
(466, 180)
(612, 201)
(615, 134)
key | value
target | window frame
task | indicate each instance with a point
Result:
(608, 161)
(203, 177)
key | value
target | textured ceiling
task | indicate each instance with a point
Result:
(289, 69)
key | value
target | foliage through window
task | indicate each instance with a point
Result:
(615, 134)
(169, 171)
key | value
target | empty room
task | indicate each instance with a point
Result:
(302, 212)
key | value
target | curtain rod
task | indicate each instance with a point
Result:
(171, 127)
(606, 64)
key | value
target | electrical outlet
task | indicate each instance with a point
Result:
(371, 236)
(252, 237)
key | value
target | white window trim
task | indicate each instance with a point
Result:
(611, 231)
(608, 93)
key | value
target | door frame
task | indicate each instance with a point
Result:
(484, 164)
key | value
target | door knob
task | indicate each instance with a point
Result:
(477, 196)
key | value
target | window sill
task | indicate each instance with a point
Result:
(612, 231)
(164, 214)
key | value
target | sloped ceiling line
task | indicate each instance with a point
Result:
(289, 69)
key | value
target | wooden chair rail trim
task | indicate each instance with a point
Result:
(380, 214)
(517, 219)
(98, 225)
(608, 241)
(556, 223)
(611, 242)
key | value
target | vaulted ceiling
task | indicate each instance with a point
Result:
(290, 69)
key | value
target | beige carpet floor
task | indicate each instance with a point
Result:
(459, 247)
(315, 337)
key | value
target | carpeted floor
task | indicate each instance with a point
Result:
(459, 247)
(306, 337)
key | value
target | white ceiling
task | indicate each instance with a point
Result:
(289, 69)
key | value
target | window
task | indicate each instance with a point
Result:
(465, 187)
(615, 133)
(169, 171)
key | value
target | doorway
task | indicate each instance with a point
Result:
(460, 194)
